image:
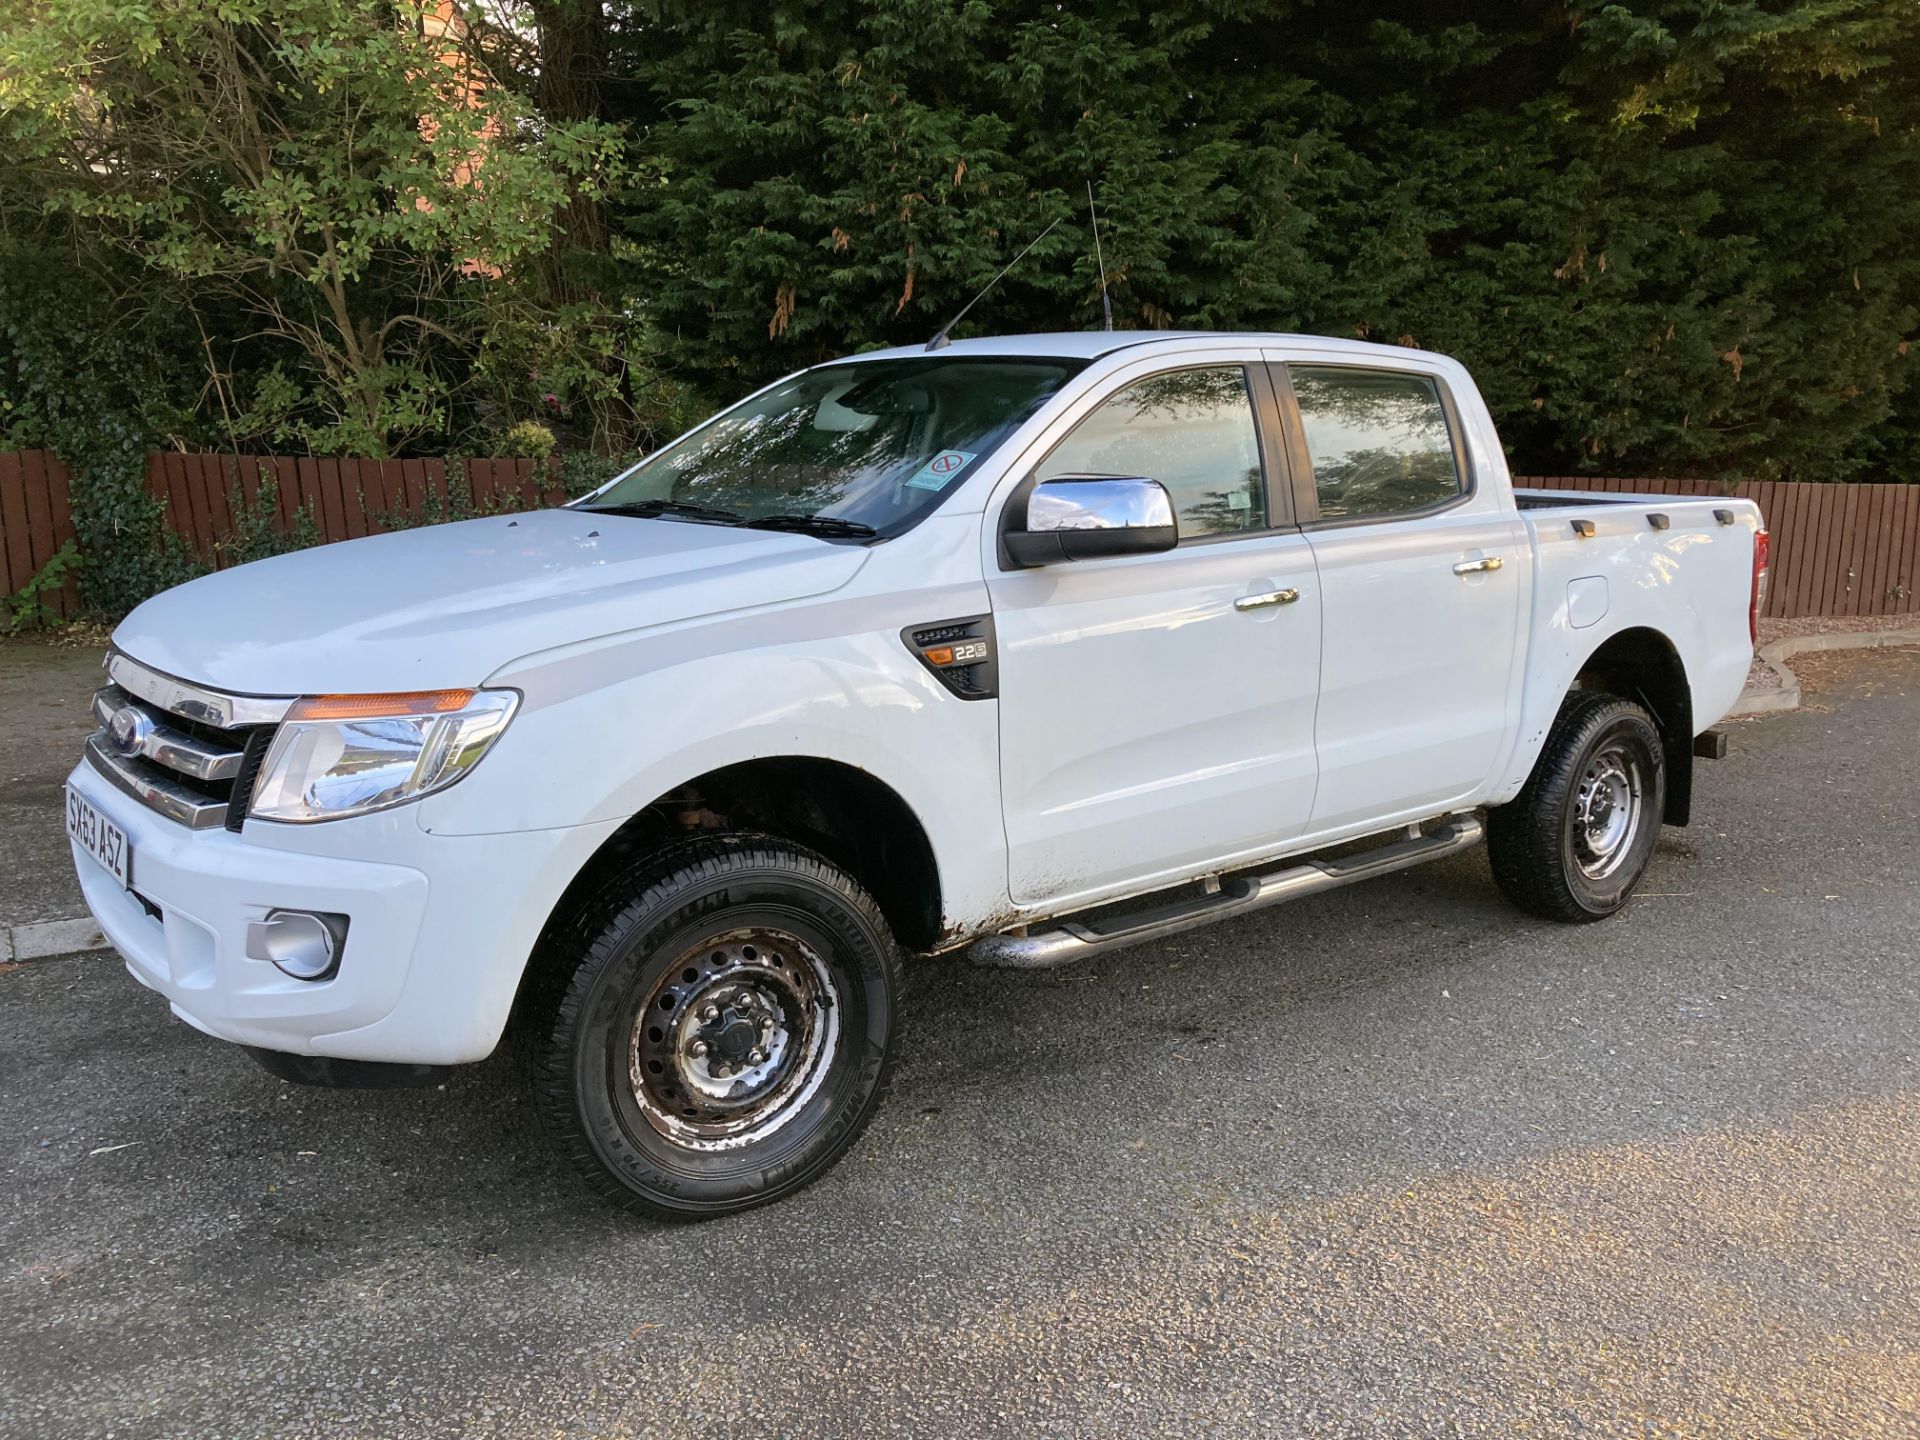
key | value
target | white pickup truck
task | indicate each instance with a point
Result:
(1027, 648)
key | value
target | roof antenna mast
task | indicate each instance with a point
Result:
(1105, 303)
(940, 341)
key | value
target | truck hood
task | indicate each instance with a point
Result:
(444, 606)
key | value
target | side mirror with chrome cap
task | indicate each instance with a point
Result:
(1088, 517)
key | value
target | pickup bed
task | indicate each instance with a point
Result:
(1022, 648)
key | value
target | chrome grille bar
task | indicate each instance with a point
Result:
(194, 702)
(176, 802)
(170, 748)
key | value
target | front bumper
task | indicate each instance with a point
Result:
(441, 926)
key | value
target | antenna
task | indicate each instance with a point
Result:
(940, 341)
(1093, 215)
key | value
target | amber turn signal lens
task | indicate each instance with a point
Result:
(939, 655)
(364, 707)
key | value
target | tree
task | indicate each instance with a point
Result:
(348, 202)
(1668, 235)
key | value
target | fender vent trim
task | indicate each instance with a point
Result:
(960, 654)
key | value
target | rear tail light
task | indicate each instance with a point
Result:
(1762, 545)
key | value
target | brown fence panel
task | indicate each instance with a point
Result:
(35, 521)
(414, 473)
(1816, 524)
(17, 552)
(286, 477)
(337, 493)
(393, 490)
(216, 480)
(46, 467)
(1795, 572)
(1868, 535)
(495, 483)
(361, 480)
(1906, 553)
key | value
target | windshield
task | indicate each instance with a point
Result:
(868, 446)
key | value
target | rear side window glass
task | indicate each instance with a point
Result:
(1379, 441)
(1193, 431)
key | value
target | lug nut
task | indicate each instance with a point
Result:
(756, 1055)
(697, 1049)
(710, 1014)
(766, 1022)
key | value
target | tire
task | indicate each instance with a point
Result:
(714, 1029)
(1573, 844)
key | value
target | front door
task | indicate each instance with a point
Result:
(1156, 711)
(1421, 576)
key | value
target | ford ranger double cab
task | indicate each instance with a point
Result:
(1023, 648)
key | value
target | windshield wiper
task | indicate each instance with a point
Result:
(679, 510)
(813, 525)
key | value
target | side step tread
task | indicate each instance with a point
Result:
(1076, 940)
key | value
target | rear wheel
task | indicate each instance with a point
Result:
(717, 1026)
(1573, 844)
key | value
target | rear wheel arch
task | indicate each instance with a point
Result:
(1642, 665)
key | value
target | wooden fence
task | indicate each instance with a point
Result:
(346, 498)
(1837, 549)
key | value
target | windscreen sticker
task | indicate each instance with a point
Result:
(942, 470)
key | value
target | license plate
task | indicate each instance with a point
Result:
(99, 837)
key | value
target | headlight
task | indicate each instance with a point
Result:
(340, 755)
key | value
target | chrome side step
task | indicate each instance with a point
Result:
(1075, 940)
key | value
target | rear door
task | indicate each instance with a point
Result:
(1421, 574)
(1156, 711)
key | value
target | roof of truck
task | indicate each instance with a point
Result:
(1091, 344)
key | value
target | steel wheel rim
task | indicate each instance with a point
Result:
(1607, 811)
(734, 1040)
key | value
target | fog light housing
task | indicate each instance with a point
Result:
(305, 944)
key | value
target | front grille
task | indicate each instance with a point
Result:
(189, 753)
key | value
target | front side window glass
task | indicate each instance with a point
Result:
(1378, 440)
(872, 443)
(1193, 431)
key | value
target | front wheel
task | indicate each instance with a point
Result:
(717, 1026)
(1573, 844)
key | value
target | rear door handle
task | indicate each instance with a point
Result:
(1271, 597)
(1476, 567)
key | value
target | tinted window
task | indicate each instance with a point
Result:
(1379, 441)
(1193, 431)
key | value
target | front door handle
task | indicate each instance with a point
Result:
(1272, 597)
(1476, 567)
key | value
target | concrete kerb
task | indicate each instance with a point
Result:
(1774, 655)
(50, 939)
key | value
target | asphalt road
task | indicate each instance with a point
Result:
(1392, 1161)
(44, 718)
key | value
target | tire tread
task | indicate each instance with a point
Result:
(1523, 836)
(573, 953)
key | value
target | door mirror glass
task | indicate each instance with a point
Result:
(1086, 517)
